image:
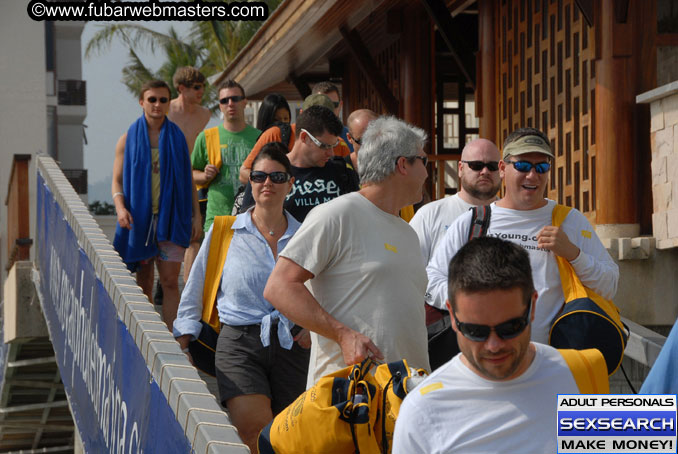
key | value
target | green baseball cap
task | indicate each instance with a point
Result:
(317, 99)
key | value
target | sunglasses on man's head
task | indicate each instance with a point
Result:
(477, 166)
(257, 176)
(526, 166)
(235, 98)
(507, 330)
(153, 100)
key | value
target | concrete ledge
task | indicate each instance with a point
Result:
(638, 248)
(23, 318)
(658, 93)
(644, 344)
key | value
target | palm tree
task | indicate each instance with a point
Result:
(210, 47)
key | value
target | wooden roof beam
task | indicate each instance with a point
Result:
(586, 9)
(301, 85)
(441, 16)
(369, 67)
(459, 6)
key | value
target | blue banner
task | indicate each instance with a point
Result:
(116, 404)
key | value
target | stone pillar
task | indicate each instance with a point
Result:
(664, 139)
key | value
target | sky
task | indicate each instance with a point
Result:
(111, 108)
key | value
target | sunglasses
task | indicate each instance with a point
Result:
(525, 166)
(356, 140)
(257, 176)
(153, 100)
(235, 99)
(319, 144)
(477, 166)
(198, 87)
(507, 330)
(336, 103)
(424, 159)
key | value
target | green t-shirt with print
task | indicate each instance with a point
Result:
(235, 146)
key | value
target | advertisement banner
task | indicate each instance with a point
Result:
(116, 404)
(610, 423)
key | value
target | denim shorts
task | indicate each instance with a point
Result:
(245, 366)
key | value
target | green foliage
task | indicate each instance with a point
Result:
(101, 208)
(210, 46)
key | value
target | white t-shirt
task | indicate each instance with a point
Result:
(594, 266)
(432, 220)
(457, 411)
(368, 274)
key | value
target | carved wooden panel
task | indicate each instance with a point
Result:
(545, 55)
(362, 94)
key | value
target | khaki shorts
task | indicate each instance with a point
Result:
(245, 366)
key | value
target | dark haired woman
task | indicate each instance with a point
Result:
(261, 357)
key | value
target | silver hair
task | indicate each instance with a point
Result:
(384, 141)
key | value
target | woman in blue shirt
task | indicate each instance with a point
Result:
(261, 357)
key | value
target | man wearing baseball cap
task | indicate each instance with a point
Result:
(523, 216)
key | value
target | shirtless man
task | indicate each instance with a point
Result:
(185, 110)
(187, 113)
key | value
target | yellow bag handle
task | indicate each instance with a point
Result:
(222, 233)
(572, 286)
(588, 369)
(213, 150)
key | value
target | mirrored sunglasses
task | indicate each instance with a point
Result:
(477, 166)
(507, 330)
(525, 166)
(235, 98)
(257, 176)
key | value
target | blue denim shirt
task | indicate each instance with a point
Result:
(240, 297)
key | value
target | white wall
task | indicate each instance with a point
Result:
(22, 97)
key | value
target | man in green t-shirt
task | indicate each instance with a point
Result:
(219, 152)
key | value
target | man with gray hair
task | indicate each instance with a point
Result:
(366, 276)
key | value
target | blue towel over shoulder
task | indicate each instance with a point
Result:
(175, 207)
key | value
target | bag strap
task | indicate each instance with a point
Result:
(222, 233)
(213, 150)
(572, 286)
(589, 370)
(480, 221)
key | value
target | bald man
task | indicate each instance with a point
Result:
(479, 180)
(357, 124)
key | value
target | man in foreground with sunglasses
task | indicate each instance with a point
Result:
(499, 394)
(524, 217)
(155, 200)
(366, 278)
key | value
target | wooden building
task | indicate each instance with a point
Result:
(571, 68)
